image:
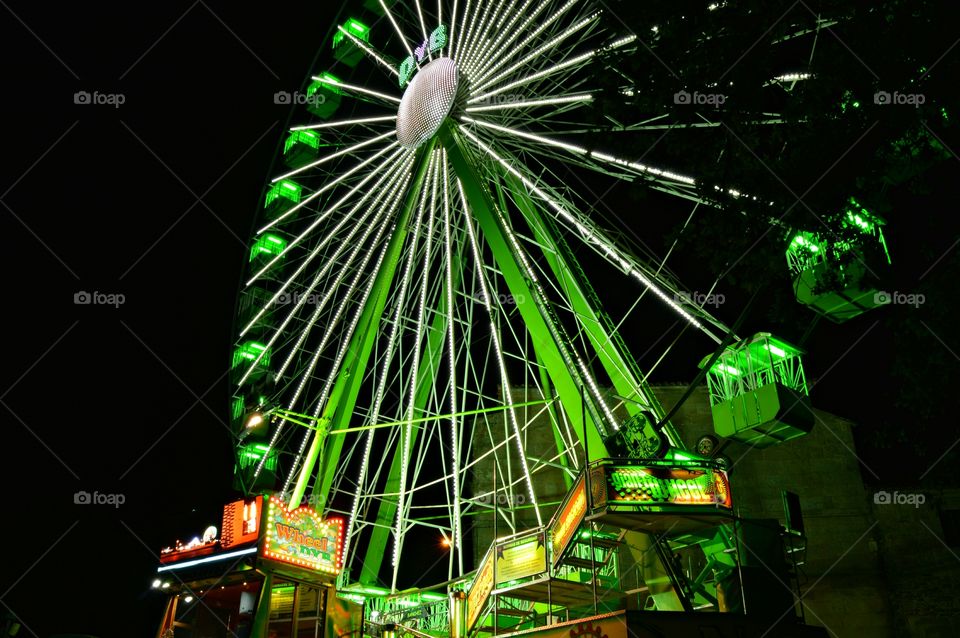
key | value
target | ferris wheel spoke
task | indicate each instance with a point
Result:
(356, 89)
(423, 27)
(385, 210)
(394, 176)
(494, 44)
(408, 429)
(498, 350)
(484, 80)
(346, 151)
(510, 50)
(321, 218)
(580, 60)
(339, 180)
(524, 104)
(352, 122)
(469, 53)
(366, 48)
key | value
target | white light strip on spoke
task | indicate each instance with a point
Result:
(583, 57)
(358, 89)
(299, 238)
(590, 235)
(530, 136)
(643, 168)
(369, 51)
(509, 50)
(396, 27)
(331, 260)
(498, 350)
(293, 400)
(332, 183)
(482, 83)
(332, 156)
(363, 120)
(505, 49)
(423, 27)
(452, 362)
(485, 25)
(404, 441)
(531, 103)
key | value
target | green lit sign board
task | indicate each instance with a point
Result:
(661, 485)
(436, 41)
(521, 558)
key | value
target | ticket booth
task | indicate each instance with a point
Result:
(268, 572)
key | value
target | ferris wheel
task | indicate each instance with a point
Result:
(414, 309)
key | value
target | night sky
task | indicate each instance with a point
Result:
(153, 200)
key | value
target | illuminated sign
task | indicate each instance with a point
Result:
(521, 558)
(481, 588)
(700, 485)
(568, 521)
(301, 537)
(241, 522)
(436, 41)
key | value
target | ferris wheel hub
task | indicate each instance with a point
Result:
(427, 102)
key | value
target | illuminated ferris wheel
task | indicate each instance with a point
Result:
(414, 309)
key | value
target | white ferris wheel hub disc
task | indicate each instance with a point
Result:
(427, 102)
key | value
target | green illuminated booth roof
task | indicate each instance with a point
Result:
(283, 195)
(832, 277)
(301, 148)
(344, 48)
(250, 353)
(266, 248)
(758, 392)
(324, 96)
